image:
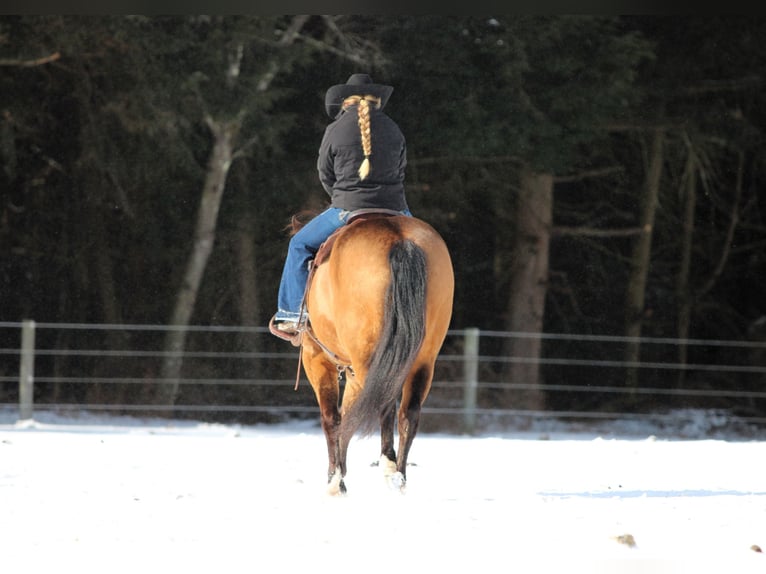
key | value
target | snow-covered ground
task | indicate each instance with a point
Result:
(96, 494)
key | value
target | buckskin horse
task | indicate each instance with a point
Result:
(379, 302)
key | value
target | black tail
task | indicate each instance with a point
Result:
(400, 340)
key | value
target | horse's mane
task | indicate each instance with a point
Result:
(298, 220)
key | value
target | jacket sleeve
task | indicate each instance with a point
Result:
(326, 163)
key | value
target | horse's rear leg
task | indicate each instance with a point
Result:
(395, 467)
(336, 467)
(413, 394)
(324, 380)
(387, 451)
(409, 419)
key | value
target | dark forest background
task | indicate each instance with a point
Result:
(590, 174)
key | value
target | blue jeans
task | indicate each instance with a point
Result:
(302, 248)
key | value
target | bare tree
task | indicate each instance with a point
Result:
(227, 147)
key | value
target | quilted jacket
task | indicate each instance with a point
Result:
(340, 155)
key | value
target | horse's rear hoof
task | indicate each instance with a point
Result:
(387, 465)
(336, 486)
(337, 489)
(396, 481)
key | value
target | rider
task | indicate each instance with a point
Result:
(361, 166)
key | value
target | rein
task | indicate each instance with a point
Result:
(341, 364)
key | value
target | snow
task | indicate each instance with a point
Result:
(87, 493)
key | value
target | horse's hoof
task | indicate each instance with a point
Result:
(396, 481)
(336, 486)
(339, 490)
(387, 465)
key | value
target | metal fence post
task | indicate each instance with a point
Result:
(470, 378)
(27, 370)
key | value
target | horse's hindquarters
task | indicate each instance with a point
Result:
(381, 301)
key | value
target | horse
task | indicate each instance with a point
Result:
(379, 307)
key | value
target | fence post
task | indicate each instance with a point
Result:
(470, 378)
(27, 370)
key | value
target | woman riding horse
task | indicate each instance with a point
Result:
(361, 166)
(380, 298)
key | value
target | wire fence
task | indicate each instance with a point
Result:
(243, 374)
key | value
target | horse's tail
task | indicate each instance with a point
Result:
(400, 340)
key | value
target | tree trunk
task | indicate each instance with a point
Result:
(527, 291)
(248, 292)
(103, 270)
(248, 276)
(641, 259)
(682, 284)
(224, 136)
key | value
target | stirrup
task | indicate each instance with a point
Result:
(294, 337)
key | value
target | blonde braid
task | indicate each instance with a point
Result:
(364, 127)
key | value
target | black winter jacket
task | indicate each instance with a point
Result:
(340, 155)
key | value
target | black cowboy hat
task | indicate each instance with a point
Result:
(357, 85)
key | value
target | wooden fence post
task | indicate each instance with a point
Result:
(470, 378)
(27, 370)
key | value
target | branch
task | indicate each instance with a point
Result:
(288, 37)
(235, 64)
(30, 63)
(645, 127)
(244, 148)
(350, 55)
(730, 85)
(212, 124)
(585, 231)
(466, 159)
(352, 48)
(292, 32)
(733, 220)
(604, 171)
(333, 27)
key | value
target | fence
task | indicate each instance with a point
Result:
(243, 374)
